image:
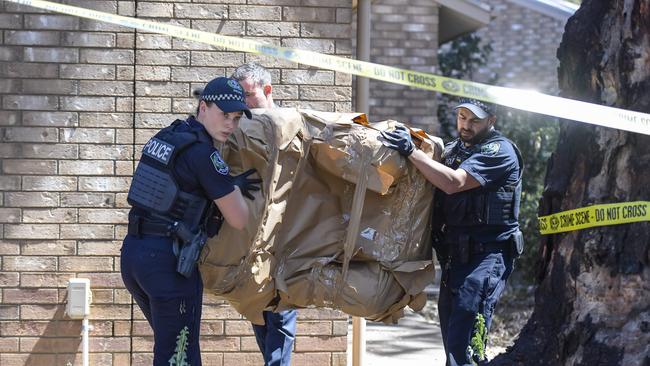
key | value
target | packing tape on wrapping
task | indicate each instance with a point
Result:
(526, 100)
(596, 215)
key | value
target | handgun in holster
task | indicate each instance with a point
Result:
(189, 248)
(517, 244)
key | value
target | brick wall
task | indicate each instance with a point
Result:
(78, 99)
(524, 44)
(404, 34)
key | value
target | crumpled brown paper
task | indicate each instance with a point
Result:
(341, 221)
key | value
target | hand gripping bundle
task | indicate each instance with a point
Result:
(341, 221)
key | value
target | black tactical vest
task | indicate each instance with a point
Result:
(481, 205)
(155, 190)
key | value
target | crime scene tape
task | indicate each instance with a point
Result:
(526, 100)
(596, 215)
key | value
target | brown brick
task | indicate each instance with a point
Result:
(100, 247)
(31, 38)
(79, 264)
(335, 93)
(29, 295)
(47, 151)
(40, 312)
(31, 231)
(9, 279)
(85, 231)
(104, 280)
(10, 54)
(110, 312)
(9, 183)
(161, 89)
(125, 72)
(29, 263)
(34, 102)
(51, 54)
(240, 358)
(88, 39)
(310, 344)
(41, 345)
(8, 312)
(98, 87)
(116, 56)
(152, 57)
(18, 359)
(50, 119)
(19, 70)
(104, 216)
(153, 73)
(238, 327)
(9, 247)
(9, 215)
(91, 72)
(310, 44)
(49, 183)
(249, 344)
(200, 11)
(247, 12)
(53, 215)
(98, 104)
(314, 328)
(31, 199)
(124, 168)
(49, 247)
(311, 359)
(8, 345)
(212, 359)
(272, 29)
(44, 280)
(309, 14)
(224, 344)
(212, 327)
(95, 200)
(109, 184)
(210, 59)
(155, 10)
(29, 134)
(86, 167)
(303, 77)
(24, 166)
(87, 135)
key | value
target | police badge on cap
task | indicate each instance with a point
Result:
(227, 94)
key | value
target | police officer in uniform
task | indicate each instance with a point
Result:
(476, 232)
(181, 190)
(276, 336)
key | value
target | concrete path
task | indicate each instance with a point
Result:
(414, 341)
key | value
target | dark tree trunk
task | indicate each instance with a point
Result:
(592, 305)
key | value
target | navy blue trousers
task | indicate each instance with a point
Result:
(275, 338)
(467, 290)
(170, 302)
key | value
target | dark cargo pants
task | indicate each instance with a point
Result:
(467, 291)
(170, 302)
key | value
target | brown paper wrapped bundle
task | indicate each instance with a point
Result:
(341, 221)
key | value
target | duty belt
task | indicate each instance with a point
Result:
(141, 226)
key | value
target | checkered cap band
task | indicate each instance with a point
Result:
(220, 97)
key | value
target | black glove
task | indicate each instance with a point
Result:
(246, 185)
(399, 140)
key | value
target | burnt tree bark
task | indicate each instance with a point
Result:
(592, 305)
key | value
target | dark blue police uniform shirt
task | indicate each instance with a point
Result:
(200, 169)
(492, 167)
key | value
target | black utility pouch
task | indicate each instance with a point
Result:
(463, 248)
(517, 244)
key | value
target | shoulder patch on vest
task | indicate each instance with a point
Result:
(490, 149)
(219, 165)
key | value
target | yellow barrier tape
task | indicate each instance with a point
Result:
(515, 98)
(596, 215)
